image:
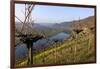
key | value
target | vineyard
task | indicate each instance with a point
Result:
(80, 49)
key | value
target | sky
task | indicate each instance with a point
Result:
(54, 14)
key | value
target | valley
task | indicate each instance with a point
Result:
(64, 43)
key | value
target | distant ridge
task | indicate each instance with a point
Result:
(88, 22)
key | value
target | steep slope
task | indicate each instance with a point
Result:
(78, 50)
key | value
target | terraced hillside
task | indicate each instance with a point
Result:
(79, 48)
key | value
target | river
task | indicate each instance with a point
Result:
(21, 50)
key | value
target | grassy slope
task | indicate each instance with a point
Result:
(78, 50)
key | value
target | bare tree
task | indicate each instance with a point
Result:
(27, 31)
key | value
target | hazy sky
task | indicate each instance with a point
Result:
(54, 14)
